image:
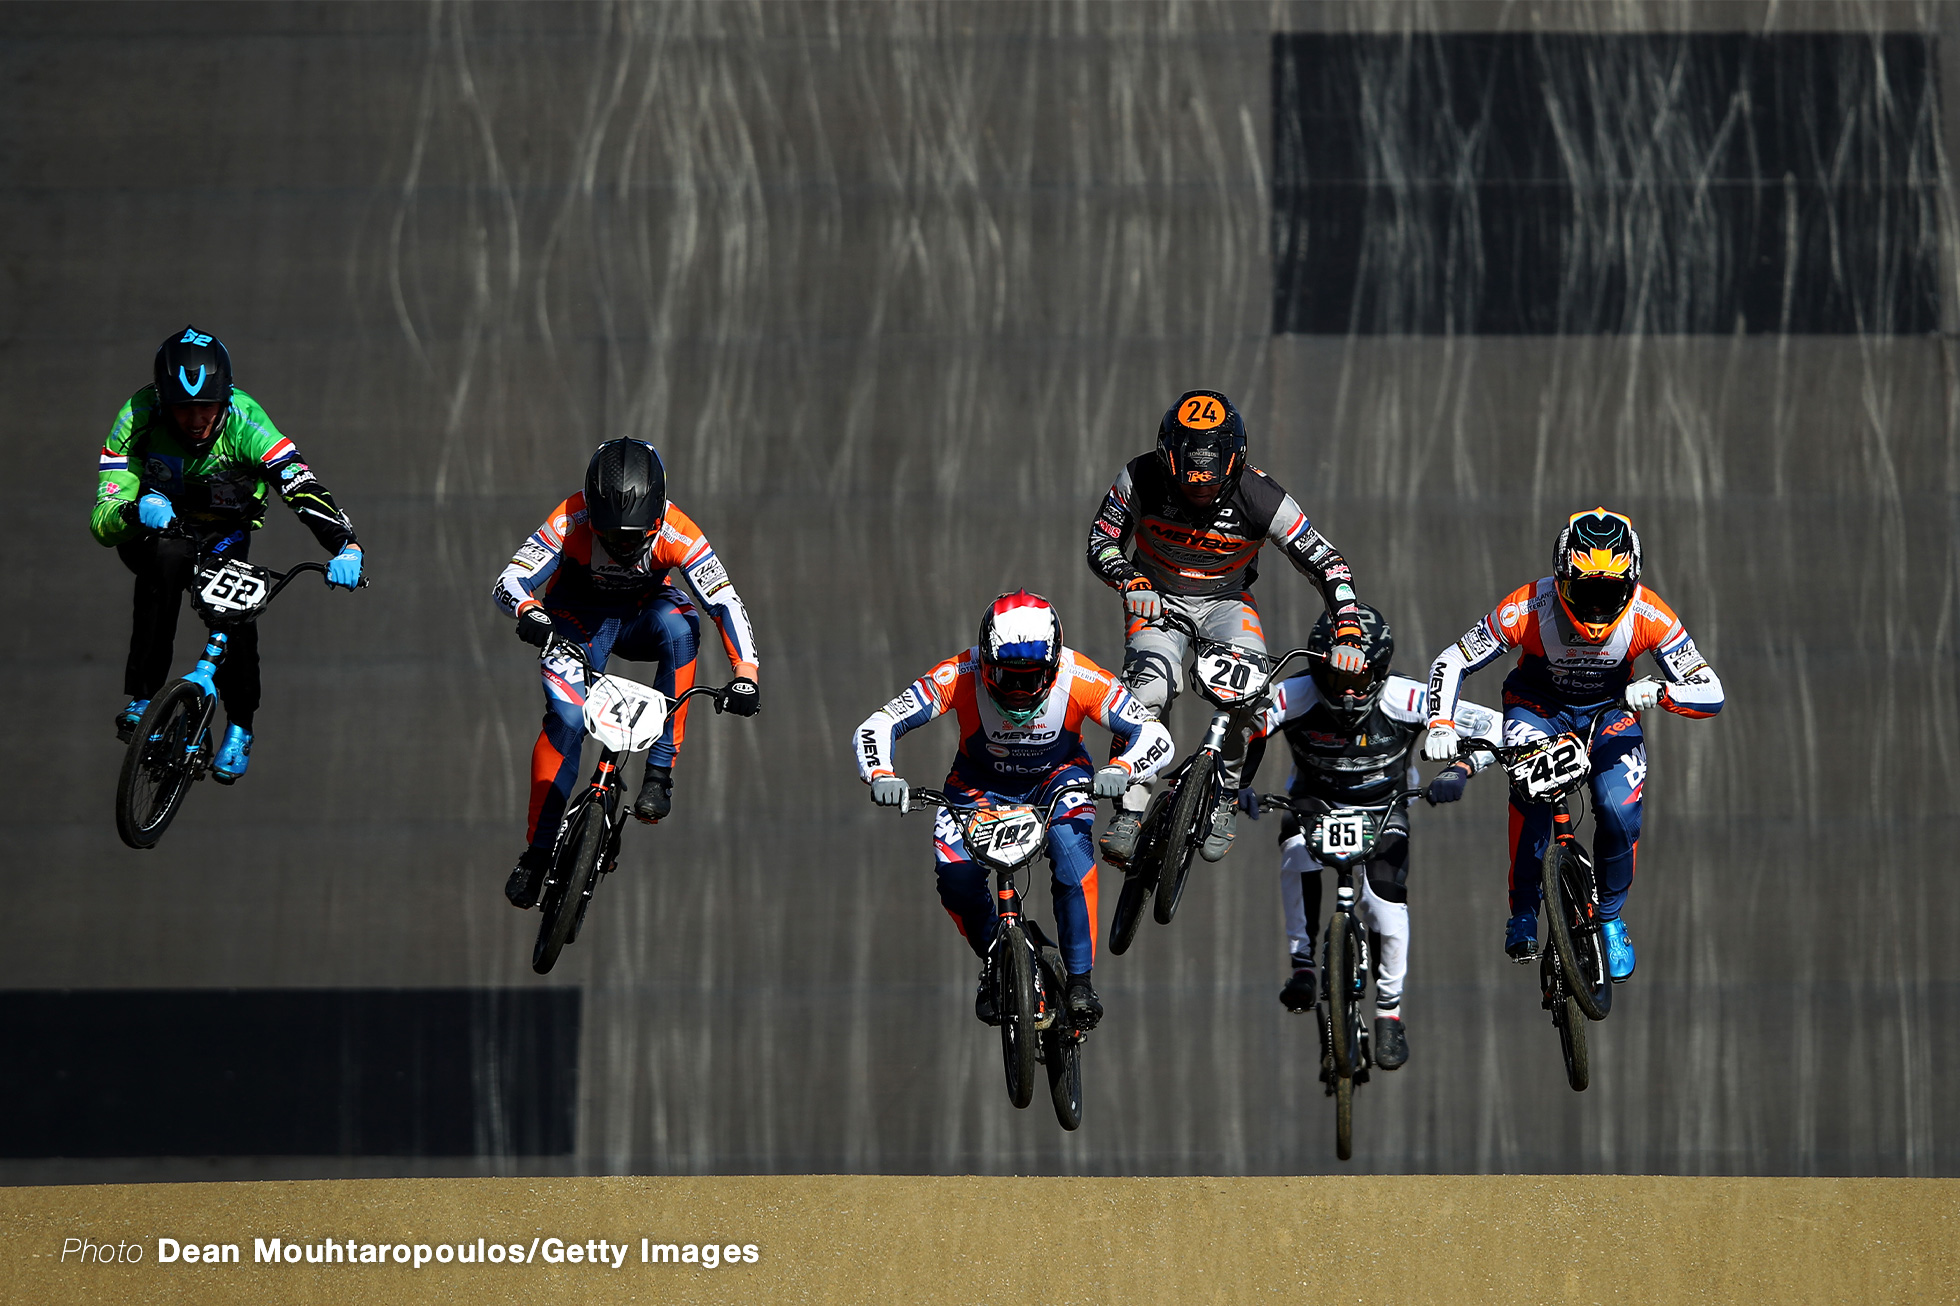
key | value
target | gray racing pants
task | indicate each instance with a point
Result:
(1153, 667)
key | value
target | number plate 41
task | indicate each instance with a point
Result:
(623, 715)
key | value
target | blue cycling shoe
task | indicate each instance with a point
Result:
(130, 717)
(1521, 938)
(233, 757)
(1619, 950)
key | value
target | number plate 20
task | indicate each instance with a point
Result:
(1229, 677)
(1548, 771)
(1343, 834)
(623, 715)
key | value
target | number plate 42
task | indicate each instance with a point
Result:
(1552, 769)
(623, 715)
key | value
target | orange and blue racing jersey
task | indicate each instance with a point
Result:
(1556, 666)
(997, 756)
(563, 562)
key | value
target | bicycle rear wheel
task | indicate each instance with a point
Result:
(1180, 841)
(160, 765)
(1572, 916)
(1065, 1076)
(1015, 1001)
(1571, 1024)
(576, 866)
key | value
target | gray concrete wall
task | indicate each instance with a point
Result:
(896, 289)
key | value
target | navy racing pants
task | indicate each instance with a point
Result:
(1619, 771)
(664, 631)
(967, 895)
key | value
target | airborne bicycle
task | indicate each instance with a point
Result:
(625, 717)
(171, 747)
(1572, 974)
(1234, 681)
(1024, 962)
(1342, 835)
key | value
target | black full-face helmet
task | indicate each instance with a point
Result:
(1351, 696)
(625, 497)
(1202, 443)
(1596, 568)
(193, 367)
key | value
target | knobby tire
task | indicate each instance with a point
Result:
(1015, 1003)
(156, 775)
(568, 872)
(1571, 1023)
(1344, 1118)
(1340, 995)
(1180, 841)
(1560, 907)
(1065, 1075)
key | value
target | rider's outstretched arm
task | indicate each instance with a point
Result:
(1481, 645)
(534, 563)
(1693, 689)
(311, 501)
(705, 572)
(1320, 562)
(925, 698)
(1109, 535)
(1143, 746)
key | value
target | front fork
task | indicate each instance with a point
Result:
(204, 676)
(1007, 911)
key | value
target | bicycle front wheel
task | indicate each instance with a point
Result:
(161, 763)
(1014, 1000)
(1180, 841)
(574, 870)
(1342, 994)
(1344, 1118)
(1571, 915)
(1571, 1022)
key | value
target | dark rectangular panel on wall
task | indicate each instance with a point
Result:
(289, 1072)
(1571, 183)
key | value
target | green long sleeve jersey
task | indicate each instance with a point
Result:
(222, 487)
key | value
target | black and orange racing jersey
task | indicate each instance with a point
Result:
(1208, 552)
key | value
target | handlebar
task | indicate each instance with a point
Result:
(1285, 803)
(934, 798)
(1178, 621)
(559, 644)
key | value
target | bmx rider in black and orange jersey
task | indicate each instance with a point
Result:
(1197, 517)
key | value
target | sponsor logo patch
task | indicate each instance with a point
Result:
(710, 577)
(1685, 661)
(903, 706)
(945, 675)
(1478, 643)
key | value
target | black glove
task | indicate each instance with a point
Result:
(1447, 787)
(741, 697)
(534, 626)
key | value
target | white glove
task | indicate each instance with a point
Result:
(889, 791)
(1644, 693)
(1439, 745)
(1143, 603)
(1111, 782)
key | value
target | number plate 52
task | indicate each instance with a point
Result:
(1548, 771)
(234, 587)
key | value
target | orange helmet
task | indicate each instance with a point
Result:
(1596, 570)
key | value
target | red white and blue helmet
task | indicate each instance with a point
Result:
(1020, 651)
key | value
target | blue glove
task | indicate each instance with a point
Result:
(1249, 802)
(1447, 787)
(345, 568)
(154, 511)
